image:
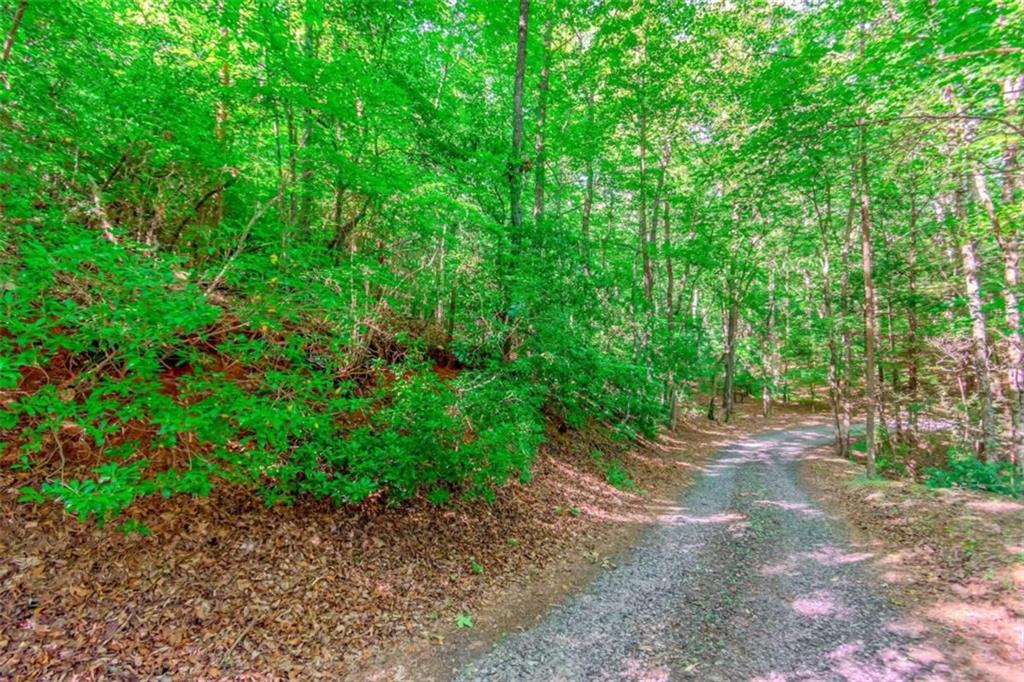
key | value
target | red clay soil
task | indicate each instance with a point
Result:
(225, 587)
(953, 559)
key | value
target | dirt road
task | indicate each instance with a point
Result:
(745, 580)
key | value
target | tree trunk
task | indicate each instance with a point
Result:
(309, 45)
(221, 122)
(834, 389)
(588, 206)
(12, 35)
(670, 283)
(1010, 246)
(644, 235)
(987, 446)
(913, 352)
(870, 309)
(516, 163)
(669, 316)
(769, 352)
(845, 303)
(540, 158)
(728, 398)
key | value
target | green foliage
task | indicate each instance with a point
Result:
(891, 462)
(130, 329)
(134, 526)
(463, 620)
(614, 472)
(964, 470)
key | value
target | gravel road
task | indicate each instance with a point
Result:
(746, 580)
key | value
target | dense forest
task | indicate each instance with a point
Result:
(355, 250)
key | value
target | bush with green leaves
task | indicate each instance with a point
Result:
(614, 472)
(140, 345)
(964, 470)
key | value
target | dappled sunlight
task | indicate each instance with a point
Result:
(995, 506)
(952, 556)
(589, 483)
(850, 662)
(639, 670)
(892, 566)
(907, 628)
(853, 662)
(799, 507)
(993, 633)
(684, 519)
(994, 621)
(784, 568)
(830, 555)
(770, 677)
(818, 604)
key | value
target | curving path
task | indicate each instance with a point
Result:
(746, 580)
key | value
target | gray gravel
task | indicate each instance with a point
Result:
(746, 580)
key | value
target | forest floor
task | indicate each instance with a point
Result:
(224, 587)
(951, 559)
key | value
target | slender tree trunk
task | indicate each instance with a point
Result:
(588, 207)
(670, 283)
(913, 352)
(588, 197)
(728, 397)
(846, 304)
(439, 283)
(516, 163)
(711, 398)
(309, 45)
(540, 159)
(871, 388)
(834, 389)
(895, 433)
(516, 168)
(12, 35)
(650, 238)
(643, 234)
(1009, 244)
(987, 445)
(221, 121)
(293, 160)
(769, 352)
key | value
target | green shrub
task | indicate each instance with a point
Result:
(146, 346)
(891, 462)
(614, 472)
(964, 470)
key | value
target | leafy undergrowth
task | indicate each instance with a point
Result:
(954, 558)
(940, 458)
(123, 377)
